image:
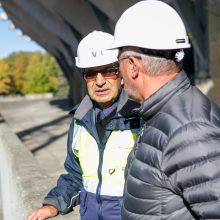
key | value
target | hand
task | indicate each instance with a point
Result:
(45, 212)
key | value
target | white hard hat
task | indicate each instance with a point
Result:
(93, 50)
(151, 24)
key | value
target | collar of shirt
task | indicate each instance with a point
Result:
(106, 111)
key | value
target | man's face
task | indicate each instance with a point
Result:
(103, 84)
(125, 72)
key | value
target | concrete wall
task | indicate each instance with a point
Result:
(214, 47)
(23, 184)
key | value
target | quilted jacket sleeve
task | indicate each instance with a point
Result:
(193, 166)
(66, 194)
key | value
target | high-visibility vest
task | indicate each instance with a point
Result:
(115, 154)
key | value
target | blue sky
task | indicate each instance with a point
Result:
(11, 42)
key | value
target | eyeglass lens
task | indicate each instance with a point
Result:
(107, 73)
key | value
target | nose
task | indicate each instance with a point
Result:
(100, 80)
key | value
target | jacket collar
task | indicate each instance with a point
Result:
(81, 110)
(156, 101)
(123, 109)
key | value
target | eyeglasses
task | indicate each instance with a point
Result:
(110, 73)
(123, 58)
(128, 57)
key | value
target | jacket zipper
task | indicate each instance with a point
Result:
(98, 190)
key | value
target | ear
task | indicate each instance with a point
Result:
(134, 65)
(122, 82)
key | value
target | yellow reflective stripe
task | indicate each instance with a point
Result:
(110, 189)
(85, 148)
(116, 152)
(117, 148)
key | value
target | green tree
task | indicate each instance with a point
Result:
(17, 63)
(33, 72)
(41, 74)
(20, 65)
(5, 79)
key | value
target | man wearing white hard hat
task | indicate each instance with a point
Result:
(101, 135)
(174, 173)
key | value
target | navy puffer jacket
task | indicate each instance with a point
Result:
(175, 171)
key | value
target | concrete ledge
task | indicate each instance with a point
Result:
(12, 98)
(23, 184)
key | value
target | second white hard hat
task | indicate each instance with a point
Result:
(92, 50)
(151, 24)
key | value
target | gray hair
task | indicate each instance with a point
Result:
(153, 65)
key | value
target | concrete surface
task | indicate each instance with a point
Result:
(42, 126)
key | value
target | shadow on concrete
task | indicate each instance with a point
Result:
(42, 125)
(63, 104)
(57, 121)
(38, 128)
(49, 141)
(1, 119)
